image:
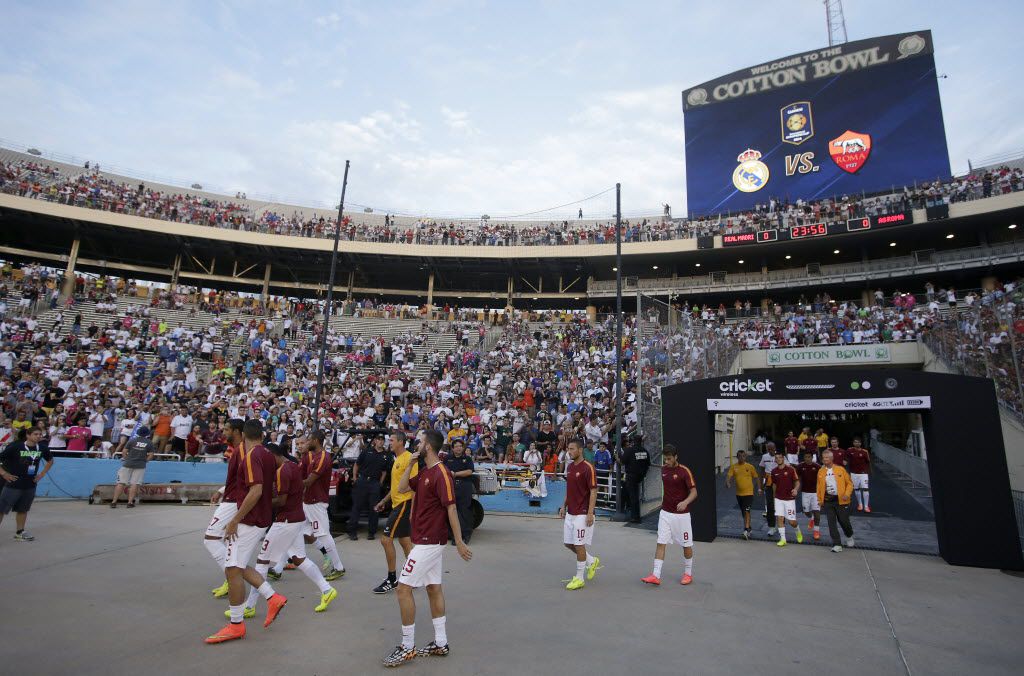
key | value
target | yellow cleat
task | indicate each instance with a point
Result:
(799, 536)
(220, 591)
(334, 574)
(781, 543)
(593, 567)
(575, 583)
(325, 600)
(246, 613)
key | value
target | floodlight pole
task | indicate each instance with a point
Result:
(618, 349)
(328, 306)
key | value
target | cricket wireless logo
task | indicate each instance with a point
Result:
(734, 387)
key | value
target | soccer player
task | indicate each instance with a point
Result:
(674, 520)
(398, 525)
(767, 464)
(834, 489)
(433, 513)
(858, 461)
(838, 454)
(252, 468)
(227, 498)
(286, 532)
(791, 444)
(578, 510)
(745, 476)
(787, 484)
(808, 471)
(316, 467)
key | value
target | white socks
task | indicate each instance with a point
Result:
(310, 570)
(580, 567)
(867, 502)
(327, 542)
(255, 593)
(216, 549)
(782, 533)
(279, 566)
(688, 563)
(409, 636)
(236, 614)
(590, 558)
(440, 634)
(658, 563)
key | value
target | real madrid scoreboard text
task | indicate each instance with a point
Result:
(859, 117)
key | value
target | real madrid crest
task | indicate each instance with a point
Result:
(752, 174)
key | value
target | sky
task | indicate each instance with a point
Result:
(445, 107)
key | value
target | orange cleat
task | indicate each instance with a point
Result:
(860, 508)
(290, 566)
(817, 535)
(867, 509)
(274, 606)
(687, 579)
(230, 632)
(811, 523)
(651, 579)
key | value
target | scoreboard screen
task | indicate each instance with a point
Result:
(863, 116)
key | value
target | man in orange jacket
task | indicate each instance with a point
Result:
(834, 491)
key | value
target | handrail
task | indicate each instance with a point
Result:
(983, 254)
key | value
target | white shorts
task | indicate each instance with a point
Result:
(226, 511)
(810, 502)
(130, 475)
(785, 509)
(860, 481)
(674, 529)
(238, 553)
(280, 540)
(317, 523)
(423, 566)
(576, 531)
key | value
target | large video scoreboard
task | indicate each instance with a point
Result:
(863, 116)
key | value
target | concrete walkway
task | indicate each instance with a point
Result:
(121, 592)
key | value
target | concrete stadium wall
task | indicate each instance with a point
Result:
(325, 245)
(76, 477)
(904, 355)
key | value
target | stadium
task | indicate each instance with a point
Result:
(839, 307)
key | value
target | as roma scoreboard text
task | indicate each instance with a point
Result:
(863, 116)
(818, 230)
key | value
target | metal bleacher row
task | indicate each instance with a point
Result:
(200, 321)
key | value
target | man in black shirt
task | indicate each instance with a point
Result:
(367, 475)
(546, 438)
(19, 466)
(636, 462)
(461, 467)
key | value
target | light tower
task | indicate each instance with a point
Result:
(835, 21)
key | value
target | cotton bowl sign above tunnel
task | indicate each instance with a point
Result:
(830, 355)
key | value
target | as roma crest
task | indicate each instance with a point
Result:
(850, 151)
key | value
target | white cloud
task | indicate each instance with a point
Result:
(458, 121)
(327, 20)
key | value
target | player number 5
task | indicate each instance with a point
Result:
(409, 564)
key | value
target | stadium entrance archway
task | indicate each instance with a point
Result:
(974, 516)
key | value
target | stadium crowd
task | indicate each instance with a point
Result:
(91, 189)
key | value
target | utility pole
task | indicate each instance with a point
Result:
(835, 22)
(618, 348)
(328, 308)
